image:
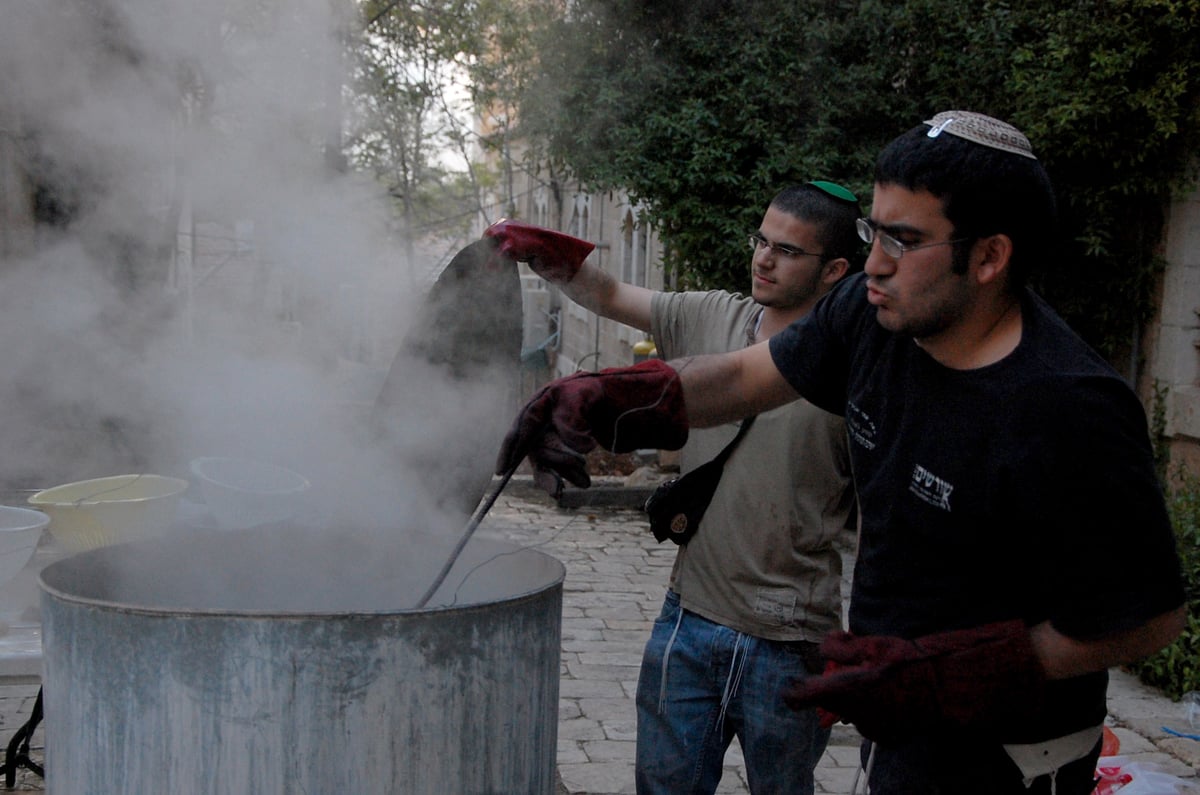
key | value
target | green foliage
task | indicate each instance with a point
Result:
(1176, 669)
(1112, 88)
(702, 110)
(691, 108)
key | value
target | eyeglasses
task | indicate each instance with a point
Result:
(757, 241)
(868, 231)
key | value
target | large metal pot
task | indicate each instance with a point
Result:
(270, 662)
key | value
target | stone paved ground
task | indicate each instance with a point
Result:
(614, 585)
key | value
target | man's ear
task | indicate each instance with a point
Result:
(993, 255)
(833, 270)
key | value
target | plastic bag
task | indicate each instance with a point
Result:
(1191, 708)
(1111, 744)
(1111, 779)
(1120, 776)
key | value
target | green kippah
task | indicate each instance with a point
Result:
(835, 190)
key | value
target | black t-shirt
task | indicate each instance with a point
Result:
(1024, 489)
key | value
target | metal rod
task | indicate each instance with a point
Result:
(472, 526)
(17, 753)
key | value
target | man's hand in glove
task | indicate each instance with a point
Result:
(620, 409)
(984, 680)
(554, 256)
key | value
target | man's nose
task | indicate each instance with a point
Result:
(878, 262)
(764, 257)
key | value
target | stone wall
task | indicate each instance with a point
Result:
(1172, 343)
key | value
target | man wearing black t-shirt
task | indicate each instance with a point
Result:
(999, 463)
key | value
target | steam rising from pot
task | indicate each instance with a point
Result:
(202, 281)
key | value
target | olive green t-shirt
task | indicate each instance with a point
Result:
(763, 561)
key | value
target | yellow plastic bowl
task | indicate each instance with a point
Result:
(103, 511)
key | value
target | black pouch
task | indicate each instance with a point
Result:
(676, 507)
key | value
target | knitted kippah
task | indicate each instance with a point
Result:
(980, 129)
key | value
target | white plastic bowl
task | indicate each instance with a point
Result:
(103, 511)
(20, 530)
(241, 493)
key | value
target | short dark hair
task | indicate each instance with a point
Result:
(984, 190)
(834, 218)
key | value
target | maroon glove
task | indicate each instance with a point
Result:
(619, 409)
(554, 256)
(985, 680)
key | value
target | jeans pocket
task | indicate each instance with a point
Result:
(670, 608)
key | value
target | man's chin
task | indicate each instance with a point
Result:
(888, 319)
(764, 297)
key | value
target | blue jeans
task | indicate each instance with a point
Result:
(721, 683)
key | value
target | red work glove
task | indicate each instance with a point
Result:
(620, 409)
(554, 256)
(985, 680)
(825, 718)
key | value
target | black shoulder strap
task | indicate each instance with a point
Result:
(725, 453)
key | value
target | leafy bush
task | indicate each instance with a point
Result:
(702, 109)
(1176, 669)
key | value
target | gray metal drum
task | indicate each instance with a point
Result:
(278, 662)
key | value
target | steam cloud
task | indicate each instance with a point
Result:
(139, 332)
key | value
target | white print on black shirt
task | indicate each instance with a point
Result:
(930, 488)
(859, 424)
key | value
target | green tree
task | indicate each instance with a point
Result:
(691, 107)
(703, 109)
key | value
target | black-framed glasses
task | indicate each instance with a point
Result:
(757, 241)
(868, 231)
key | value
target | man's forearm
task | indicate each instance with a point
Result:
(727, 387)
(597, 291)
(1064, 657)
(592, 288)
